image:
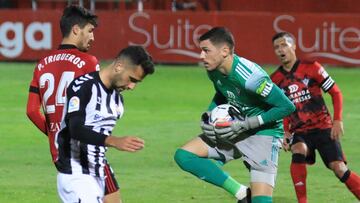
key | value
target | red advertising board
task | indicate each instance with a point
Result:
(171, 37)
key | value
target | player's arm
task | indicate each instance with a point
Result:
(338, 128)
(33, 110)
(78, 99)
(76, 114)
(280, 105)
(327, 84)
(84, 134)
(337, 101)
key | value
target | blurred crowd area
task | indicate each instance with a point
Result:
(329, 6)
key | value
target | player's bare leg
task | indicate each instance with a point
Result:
(350, 178)
(113, 198)
(192, 158)
(261, 192)
(298, 170)
(196, 146)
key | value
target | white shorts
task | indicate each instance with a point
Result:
(80, 188)
(260, 152)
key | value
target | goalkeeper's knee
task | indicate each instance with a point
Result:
(183, 157)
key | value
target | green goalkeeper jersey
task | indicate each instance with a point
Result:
(249, 88)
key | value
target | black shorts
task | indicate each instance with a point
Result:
(111, 185)
(329, 150)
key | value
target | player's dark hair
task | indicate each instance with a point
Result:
(219, 35)
(283, 34)
(137, 55)
(76, 15)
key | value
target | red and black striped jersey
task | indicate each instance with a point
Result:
(52, 75)
(303, 85)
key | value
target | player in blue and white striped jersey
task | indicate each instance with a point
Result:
(93, 106)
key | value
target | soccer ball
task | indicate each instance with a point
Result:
(220, 114)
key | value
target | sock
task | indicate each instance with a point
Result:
(298, 175)
(207, 170)
(261, 199)
(234, 188)
(203, 168)
(352, 182)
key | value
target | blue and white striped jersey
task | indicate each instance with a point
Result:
(90, 114)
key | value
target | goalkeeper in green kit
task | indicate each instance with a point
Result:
(255, 138)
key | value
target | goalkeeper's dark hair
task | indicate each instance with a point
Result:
(219, 35)
(76, 15)
(288, 36)
(137, 55)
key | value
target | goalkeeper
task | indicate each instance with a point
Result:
(256, 138)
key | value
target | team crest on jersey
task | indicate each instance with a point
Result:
(74, 104)
(306, 81)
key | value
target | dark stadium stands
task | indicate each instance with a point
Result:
(328, 6)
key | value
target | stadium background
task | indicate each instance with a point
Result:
(165, 109)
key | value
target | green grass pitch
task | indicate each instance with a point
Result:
(164, 110)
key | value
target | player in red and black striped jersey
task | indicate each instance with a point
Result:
(310, 127)
(53, 74)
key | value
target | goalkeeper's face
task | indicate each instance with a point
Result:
(211, 55)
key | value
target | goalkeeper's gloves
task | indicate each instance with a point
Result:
(230, 130)
(207, 128)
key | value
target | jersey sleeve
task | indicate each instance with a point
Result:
(93, 64)
(327, 84)
(78, 98)
(280, 106)
(33, 111)
(33, 108)
(322, 77)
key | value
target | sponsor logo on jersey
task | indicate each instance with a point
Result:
(300, 96)
(97, 117)
(230, 95)
(74, 104)
(293, 88)
(264, 89)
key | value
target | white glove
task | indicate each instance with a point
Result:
(208, 129)
(229, 130)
